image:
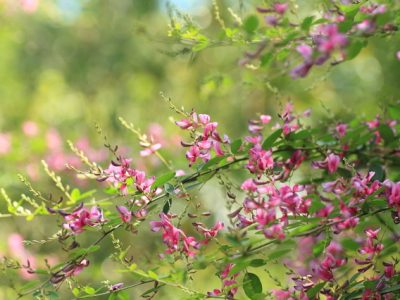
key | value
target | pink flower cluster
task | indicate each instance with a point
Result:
(177, 241)
(229, 283)
(204, 141)
(126, 215)
(274, 14)
(331, 163)
(122, 176)
(333, 259)
(327, 39)
(267, 205)
(80, 217)
(71, 269)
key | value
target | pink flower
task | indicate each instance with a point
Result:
(70, 270)
(366, 26)
(18, 251)
(205, 141)
(81, 217)
(229, 283)
(29, 6)
(175, 239)
(124, 213)
(249, 185)
(392, 193)
(306, 51)
(330, 39)
(331, 261)
(271, 20)
(398, 55)
(151, 149)
(30, 128)
(331, 163)
(373, 9)
(5, 143)
(265, 119)
(341, 129)
(53, 139)
(259, 160)
(209, 233)
(275, 232)
(280, 8)
(281, 294)
(193, 154)
(180, 173)
(389, 270)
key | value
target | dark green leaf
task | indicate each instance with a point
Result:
(251, 24)
(162, 179)
(252, 285)
(167, 206)
(311, 293)
(386, 133)
(379, 171)
(258, 262)
(269, 141)
(300, 135)
(394, 111)
(350, 244)
(213, 161)
(266, 58)
(307, 22)
(236, 145)
(355, 48)
(279, 253)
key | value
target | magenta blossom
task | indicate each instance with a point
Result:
(124, 213)
(81, 217)
(206, 140)
(331, 163)
(341, 129)
(175, 239)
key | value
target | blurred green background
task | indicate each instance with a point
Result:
(66, 65)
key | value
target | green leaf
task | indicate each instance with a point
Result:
(386, 133)
(239, 266)
(371, 284)
(169, 188)
(258, 262)
(112, 296)
(251, 24)
(167, 206)
(252, 285)
(89, 290)
(311, 293)
(346, 25)
(213, 161)
(279, 253)
(302, 229)
(162, 179)
(350, 244)
(379, 171)
(394, 111)
(269, 141)
(266, 58)
(319, 247)
(236, 145)
(30, 285)
(300, 135)
(316, 205)
(355, 48)
(307, 22)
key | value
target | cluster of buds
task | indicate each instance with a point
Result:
(205, 140)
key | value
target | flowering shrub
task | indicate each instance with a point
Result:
(318, 203)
